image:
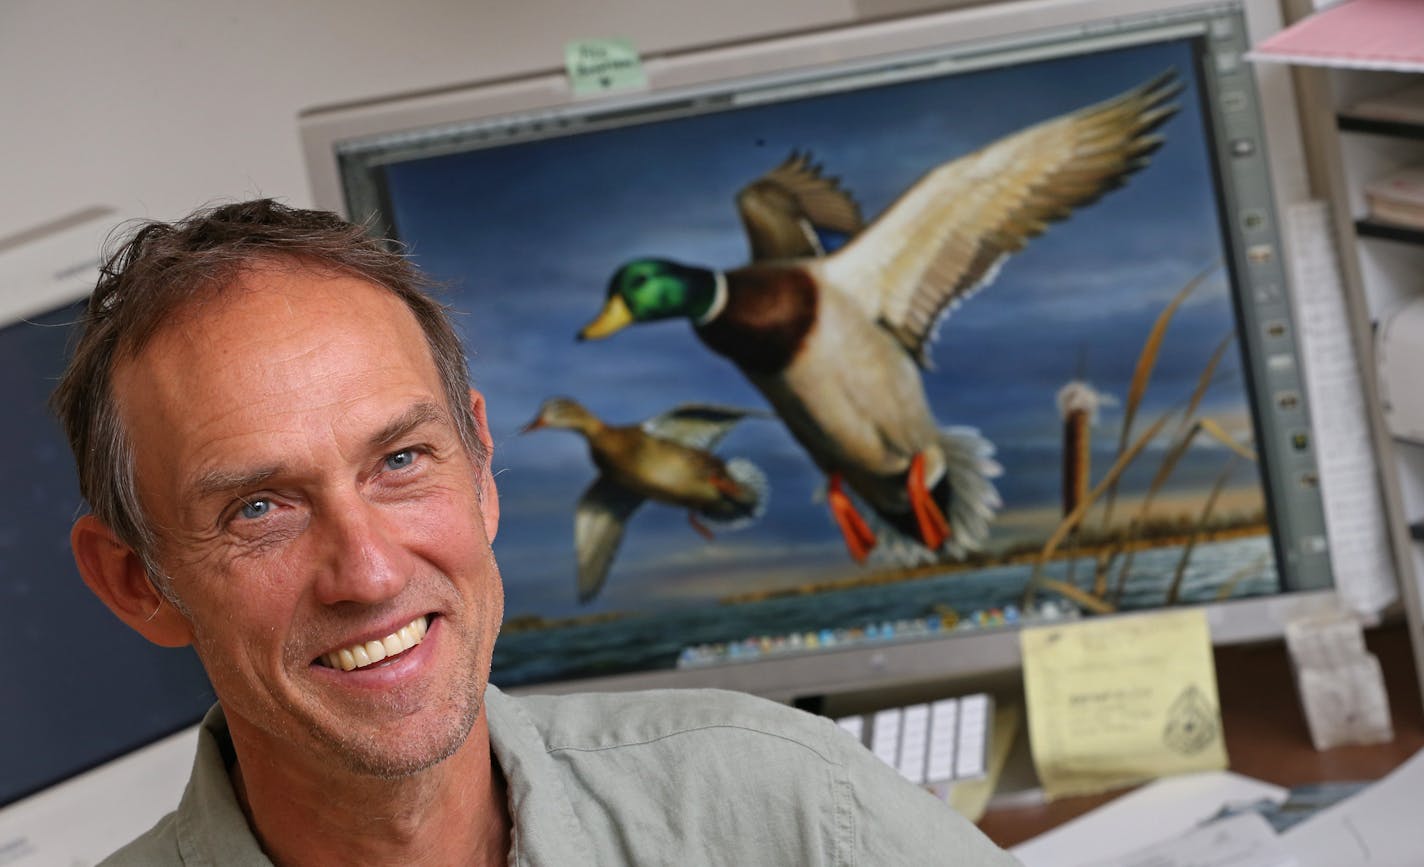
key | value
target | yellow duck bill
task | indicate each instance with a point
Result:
(615, 317)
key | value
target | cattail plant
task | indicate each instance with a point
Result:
(1078, 404)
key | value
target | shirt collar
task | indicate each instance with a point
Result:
(211, 827)
(546, 831)
(212, 830)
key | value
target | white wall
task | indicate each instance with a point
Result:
(157, 106)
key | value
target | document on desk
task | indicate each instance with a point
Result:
(1379, 827)
(1143, 817)
(1245, 840)
(1114, 702)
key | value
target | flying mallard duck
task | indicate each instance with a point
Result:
(666, 458)
(836, 343)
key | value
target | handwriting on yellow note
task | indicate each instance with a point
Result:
(1121, 700)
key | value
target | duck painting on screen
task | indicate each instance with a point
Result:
(958, 350)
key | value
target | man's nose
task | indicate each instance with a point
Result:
(366, 561)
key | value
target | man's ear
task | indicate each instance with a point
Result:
(115, 573)
(489, 497)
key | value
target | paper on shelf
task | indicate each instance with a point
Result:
(1405, 105)
(1345, 457)
(1157, 811)
(1398, 197)
(1118, 701)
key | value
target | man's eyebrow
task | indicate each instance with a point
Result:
(423, 413)
(221, 481)
(215, 482)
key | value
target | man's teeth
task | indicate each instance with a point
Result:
(372, 652)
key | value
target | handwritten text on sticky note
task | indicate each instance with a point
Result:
(1117, 701)
(603, 65)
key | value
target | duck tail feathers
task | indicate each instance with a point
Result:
(971, 500)
(750, 477)
(893, 548)
(964, 489)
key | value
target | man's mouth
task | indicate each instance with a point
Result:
(374, 651)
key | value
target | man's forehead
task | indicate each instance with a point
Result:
(278, 287)
(282, 349)
(268, 303)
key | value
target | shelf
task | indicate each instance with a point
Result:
(1394, 128)
(1389, 232)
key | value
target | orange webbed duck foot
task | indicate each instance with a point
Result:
(700, 527)
(934, 527)
(859, 538)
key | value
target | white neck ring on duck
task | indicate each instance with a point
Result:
(719, 299)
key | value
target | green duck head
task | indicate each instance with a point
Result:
(645, 290)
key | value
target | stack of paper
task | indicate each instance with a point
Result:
(1405, 105)
(1189, 821)
(1398, 197)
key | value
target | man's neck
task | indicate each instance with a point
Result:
(455, 812)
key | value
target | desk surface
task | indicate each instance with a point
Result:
(1266, 736)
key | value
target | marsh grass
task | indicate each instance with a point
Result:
(1184, 435)
(1191, 427)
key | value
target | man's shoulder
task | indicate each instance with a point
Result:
(742, 776)
(157, 846)
(597, 721)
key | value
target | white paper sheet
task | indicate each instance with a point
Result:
(1382, 826)
(1244, 840)
(1354, 510)
(1156, 812)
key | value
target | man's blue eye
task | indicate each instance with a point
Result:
(400, 460)
(255, 509)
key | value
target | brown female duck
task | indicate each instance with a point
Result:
(666, 458)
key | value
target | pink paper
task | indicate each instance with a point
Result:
(1362, 34)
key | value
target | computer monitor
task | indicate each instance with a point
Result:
(79, 688)
(526, 202)
(526, 199)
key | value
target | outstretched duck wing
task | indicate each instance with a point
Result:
(782, 209)
(602, 513)
(946, 236)
(697, 425)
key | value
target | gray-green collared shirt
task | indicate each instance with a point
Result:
(680, 777)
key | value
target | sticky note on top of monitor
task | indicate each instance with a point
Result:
(603, 65)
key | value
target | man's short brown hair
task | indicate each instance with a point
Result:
(161, 268)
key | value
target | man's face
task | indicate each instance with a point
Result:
(295, 452)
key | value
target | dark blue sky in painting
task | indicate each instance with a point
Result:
(528, 236)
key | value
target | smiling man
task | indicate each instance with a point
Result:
(289, 472)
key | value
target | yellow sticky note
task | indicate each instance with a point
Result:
(602, 65)
(1120, 700)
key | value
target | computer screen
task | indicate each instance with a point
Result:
(1091, 401)
(78, 686)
